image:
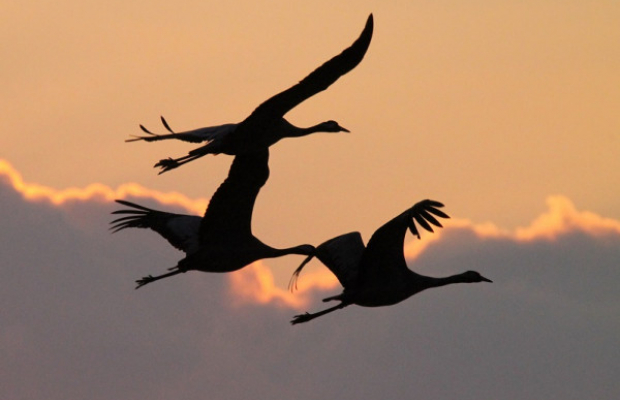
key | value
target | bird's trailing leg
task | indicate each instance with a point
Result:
(298, 319)
(150, 278)
(172, 163)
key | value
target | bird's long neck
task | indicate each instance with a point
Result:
(295, 131)
(303, 249)
(448, 280)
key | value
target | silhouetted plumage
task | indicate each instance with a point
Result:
(377, 275)
(266, 125)
(222, 240)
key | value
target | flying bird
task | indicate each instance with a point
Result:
(377, 275)
(222, 240)
(266, 124)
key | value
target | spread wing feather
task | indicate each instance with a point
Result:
(180, 230)
(385, 248)
(319, 80)
(229, 214)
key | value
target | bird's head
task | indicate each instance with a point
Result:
(332, 126)
(473, 276)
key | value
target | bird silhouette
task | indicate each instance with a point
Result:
(266, 124)
(377, 275)
(222, 240)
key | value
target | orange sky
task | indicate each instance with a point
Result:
(489, 107)
(505, 111)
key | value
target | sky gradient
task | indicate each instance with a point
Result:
(506, 112)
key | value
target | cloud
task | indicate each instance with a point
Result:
(255, 283)
(561, 218)
(95, 191)
(74, 327)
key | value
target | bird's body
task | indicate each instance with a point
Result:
(377, 275)
(266, 125)
(222, 240)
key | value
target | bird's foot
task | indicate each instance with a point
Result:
(144, 281)
(166, 164)
(298, 319)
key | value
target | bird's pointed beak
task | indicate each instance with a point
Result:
(486, 280)
(344, 130)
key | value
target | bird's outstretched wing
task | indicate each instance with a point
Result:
(319, 80)
(229, 214)
(180, 230)
(385, 247)
(341, 255)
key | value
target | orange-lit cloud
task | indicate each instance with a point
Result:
(561, 217)
(255, 283)
(95, 191)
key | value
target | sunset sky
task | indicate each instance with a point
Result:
(507, 112)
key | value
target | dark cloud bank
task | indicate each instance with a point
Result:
(74, 327)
